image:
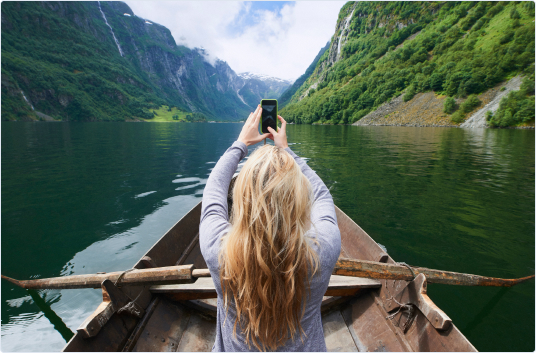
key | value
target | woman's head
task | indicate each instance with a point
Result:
(265, 260)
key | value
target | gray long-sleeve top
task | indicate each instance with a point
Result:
(215, 224)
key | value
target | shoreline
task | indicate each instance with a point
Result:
(528, 127)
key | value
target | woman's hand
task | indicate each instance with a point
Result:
(279, 137)
(250, 131)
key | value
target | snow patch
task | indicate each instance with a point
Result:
(251, 75)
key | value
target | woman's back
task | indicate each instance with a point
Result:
(264, 305)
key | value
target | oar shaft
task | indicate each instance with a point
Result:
(379, 270)
(159, 275)
(186, 273)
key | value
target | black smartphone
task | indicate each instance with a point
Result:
(269, 115)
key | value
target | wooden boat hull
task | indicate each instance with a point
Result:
(356, 323)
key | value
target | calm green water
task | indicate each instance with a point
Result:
(86, 197)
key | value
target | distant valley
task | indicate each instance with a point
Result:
(98, 61)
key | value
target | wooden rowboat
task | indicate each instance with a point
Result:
(368, 320)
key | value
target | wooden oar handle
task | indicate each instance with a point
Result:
(201, 273)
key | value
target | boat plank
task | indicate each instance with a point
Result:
(365, 248)
(165, 328)
(196, 258)
(336, 333)
(111, 339)
(168, 249)
(422, 336)
(200, 334)
(131, 342)
(369, 327)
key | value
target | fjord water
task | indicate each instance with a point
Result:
(87, 197)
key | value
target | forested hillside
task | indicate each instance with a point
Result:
(91, 61)
(381, 50)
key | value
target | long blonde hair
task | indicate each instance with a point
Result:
(265, 262)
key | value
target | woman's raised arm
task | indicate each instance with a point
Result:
(214, 211)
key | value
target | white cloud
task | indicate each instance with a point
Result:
(278, 44)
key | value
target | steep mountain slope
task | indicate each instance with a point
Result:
(88, 61)
(457, 49)
(257, 87)
(287, 95)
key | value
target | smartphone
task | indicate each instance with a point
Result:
(269, 115)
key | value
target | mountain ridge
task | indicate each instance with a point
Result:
(89, 62)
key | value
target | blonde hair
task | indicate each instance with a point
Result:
(265, 262)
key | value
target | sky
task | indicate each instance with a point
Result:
(275, 38)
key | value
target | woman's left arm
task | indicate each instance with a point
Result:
(214, 211)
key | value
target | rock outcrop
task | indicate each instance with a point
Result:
(478, 119)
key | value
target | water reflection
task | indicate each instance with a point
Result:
(454, 199)
(129, 175)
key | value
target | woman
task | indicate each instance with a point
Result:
(270, 263)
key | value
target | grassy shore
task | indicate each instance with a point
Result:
(164, 114)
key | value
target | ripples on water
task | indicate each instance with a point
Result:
(84, 198)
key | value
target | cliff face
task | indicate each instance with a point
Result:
(89, 61)
(386, 51)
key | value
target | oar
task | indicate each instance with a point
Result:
(186, 273)
(158, 275)
(379, 270)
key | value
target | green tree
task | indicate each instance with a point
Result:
(449, 106)
(470, 103)
(458, 117)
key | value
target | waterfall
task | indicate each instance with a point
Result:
(116, 41)
(26, 99)
(342, 31)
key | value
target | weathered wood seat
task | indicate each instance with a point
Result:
(204, 288)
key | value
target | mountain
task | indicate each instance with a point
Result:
(91, 61)
(257, 87)
(381, 50)
(287, 95)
